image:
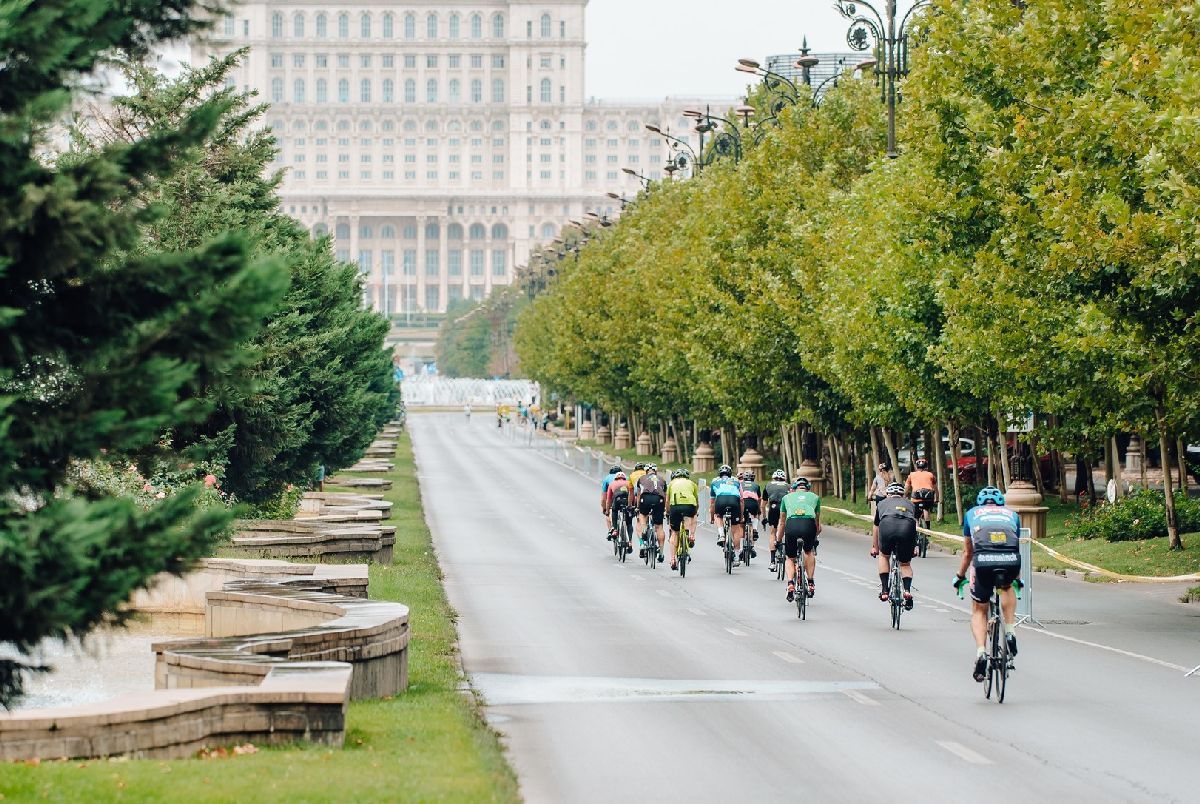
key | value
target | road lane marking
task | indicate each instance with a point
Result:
(962, 752)
(787, 657)
(636, 577)
(663, 592)
(736, 632)
(858, 697)
(697, 612)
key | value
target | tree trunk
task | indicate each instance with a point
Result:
(853, 454)
(785, 448)
(891, 451)
(956, 454)
(835, 458)
(1109, 461)
(876, 457)
(1173, 540)
(1060, 462)
(1181, 459)
(1118, 480)
(1038, 481)
(986, 432)
(1002, 441)
(939, 457)
(1145, 460)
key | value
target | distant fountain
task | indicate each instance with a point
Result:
(424, 391)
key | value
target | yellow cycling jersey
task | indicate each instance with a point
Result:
(682, 491)
(634, 477)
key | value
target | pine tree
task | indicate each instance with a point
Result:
(104, 345)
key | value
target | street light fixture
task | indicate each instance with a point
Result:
(890, 41)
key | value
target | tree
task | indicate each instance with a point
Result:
(101, 348)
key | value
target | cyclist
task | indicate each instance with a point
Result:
(895, 531)
(991, 548)
(883, 479)
(799, 525)
(752, 506)
(773, 493)
(682, 500)
(725, 495)
(650, 495)
(617, 503)
(923, 487)
(639, 469)
(604, 483)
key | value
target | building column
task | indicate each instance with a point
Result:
(487, 262)
(420, 302)
(443, 265)
(354, 220)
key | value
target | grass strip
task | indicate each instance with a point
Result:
(427, 744)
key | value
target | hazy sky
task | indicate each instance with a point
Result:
(655, 48)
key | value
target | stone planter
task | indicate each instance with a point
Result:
(752, 461)
(645, 446)
(670, 450)
(623, 438)
(704, 459)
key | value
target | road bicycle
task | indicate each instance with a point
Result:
(747, 540)
(895, 590)
(683, 550)
(999, 660)
(650, 541)
(623, 545)
(801, 585)
(730, 554)
(780, 561)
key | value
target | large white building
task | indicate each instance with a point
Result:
(438, 142)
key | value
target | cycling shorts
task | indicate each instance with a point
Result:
(898, 535)
(731, 504)
(984, 579)
(652, 505)
(799, 530)
(680, 513)
(753, 507)
(773, 514)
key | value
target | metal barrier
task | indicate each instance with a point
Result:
(1025, 601)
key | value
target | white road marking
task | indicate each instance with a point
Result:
(942, 611)
(962, 752)
(736, 632)
(637, 577)
(663, 592)
(858, 697)
(698, 612)
(787, 657)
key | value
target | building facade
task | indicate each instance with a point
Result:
(438, 142)
(828, 66)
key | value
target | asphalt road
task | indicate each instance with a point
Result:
(615, 683)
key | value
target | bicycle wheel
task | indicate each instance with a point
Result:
(895, 596)
(780, 562)
(801, 590)
(992, 655)
(622, 543)
(1002, 668)
(651, 550)
(683, 557)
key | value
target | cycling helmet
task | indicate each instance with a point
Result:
(894, 490)
(989, 494)
(802, 483)
(883, 467)
(614, 470)
(676, 473)
(684, 472)
(922, 464)
(724, 471)
(619, 476)
(637, 466)
(652, 467)
(779, 474)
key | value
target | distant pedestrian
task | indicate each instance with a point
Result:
(467, 411)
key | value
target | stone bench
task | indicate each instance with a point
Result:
(372, 483)
(308, 538)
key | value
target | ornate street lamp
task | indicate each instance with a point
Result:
(683, 156)
(890, 42)
(639, 176)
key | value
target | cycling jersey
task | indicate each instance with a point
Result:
(895, 507)
(775, 491)
(634, 477)
(650, 484)
(750, 490)
(682, 491)
(992, 529)
(604, 483)
(618, 490)
(922, 479)
(725, 487)
(800, 503)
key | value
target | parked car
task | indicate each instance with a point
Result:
(966, 447)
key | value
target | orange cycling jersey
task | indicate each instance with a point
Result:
(922, 480)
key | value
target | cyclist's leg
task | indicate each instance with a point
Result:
(674, 518)
(981, 596)
(791, 545)
(883, 565)
(810, 550)
(657, 515)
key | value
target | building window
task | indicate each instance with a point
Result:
(276, 25)
(476, 61)
(409, 262)
(389, 91)
(297, 59)
(453, 26)
(431, 26)
(529, 29)
(498, 26)
(454, 262)
(298, 91)
(476, 91)
(432, 266)
(364, 60)
(364, 261)
(562, 29)
(365, 26)
(277, 90)
(499, 262)
(547, 90)
(476, 26)
(410, 26)
(453, 61)
(343, 91)
(321, 31)
(322, 90)
(410, 61)
(230, 26)
(431, 90)
(431, 61)
(364, 90)
(529, 93)
(545, 26)
(298, 26)
(388, 26)
(410, 91)
(343, 26)
(562, 94)
(387, 261)
(545, 62)
(476, 262)
(277, 60)
(497, 90)
(454, 91)
(343, 61)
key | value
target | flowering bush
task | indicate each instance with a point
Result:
(1141, 515)
(118, 477)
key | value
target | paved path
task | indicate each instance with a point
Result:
(617, 683)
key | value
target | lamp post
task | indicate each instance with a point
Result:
(727, 141)
(891, 48)
(639, 176)
(683, 155)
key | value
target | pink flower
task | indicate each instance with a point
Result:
(210, 481)
(290, 487)
(162, 495)
(147, 487)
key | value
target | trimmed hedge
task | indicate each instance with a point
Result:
(1141, 515)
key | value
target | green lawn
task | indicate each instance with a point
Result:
(427, 744)
(1128, 558)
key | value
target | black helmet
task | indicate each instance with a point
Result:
(724, 471)
(637, 466)
(613, 470)
(894, 490)
(779, 474)
(922, 464)
(802, 483)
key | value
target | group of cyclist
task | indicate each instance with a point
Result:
(791, 513)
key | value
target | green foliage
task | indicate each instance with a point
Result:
(464, 341)
(1140, 515)
(103, 346)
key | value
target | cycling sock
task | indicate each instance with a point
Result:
(907, 584)
(979, 652)
(1010, 628)
(883, 580)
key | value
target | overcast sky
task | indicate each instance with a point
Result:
(655, 48)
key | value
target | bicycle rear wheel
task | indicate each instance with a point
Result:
(801, 590)
(895, 597)
(651, 551)
(1002, 669)
(993, 654)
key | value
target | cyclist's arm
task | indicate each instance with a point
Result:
(968, 553)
